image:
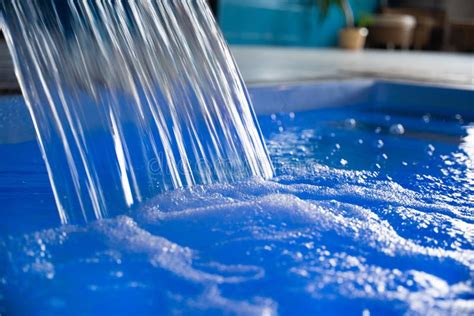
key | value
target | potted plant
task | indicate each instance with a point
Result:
(350, 37)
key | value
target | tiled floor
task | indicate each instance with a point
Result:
(264, 65)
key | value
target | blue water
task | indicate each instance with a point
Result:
(360, 219)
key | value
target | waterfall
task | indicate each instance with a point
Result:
(130, 99)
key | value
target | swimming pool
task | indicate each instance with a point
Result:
(371, 211)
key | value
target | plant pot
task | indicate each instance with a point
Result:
(352, 38)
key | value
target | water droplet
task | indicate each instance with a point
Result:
(291, 115)
(267, 248)
(448, 162)
(380, 143)
(430, 150)
(280, 129)
(360, 141)
(273, 117)
(385, 156)
(387, 117)
(343, 162)
(426, 118)
(378, 130)
(350, 123)
(397, 129)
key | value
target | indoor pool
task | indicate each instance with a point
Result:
(371, 211)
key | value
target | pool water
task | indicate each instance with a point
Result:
(370, 213)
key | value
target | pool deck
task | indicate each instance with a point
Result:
(273, 65)
(266, 65)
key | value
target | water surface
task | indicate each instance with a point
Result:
(363, 216)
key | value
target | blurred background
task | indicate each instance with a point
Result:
(420, 40)
(436, 25)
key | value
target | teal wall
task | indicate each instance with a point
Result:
(283, 22)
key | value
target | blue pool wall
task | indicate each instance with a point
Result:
(284, 22)
(377, 95)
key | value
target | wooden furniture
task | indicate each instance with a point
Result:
(462, 35)
(392, 31)
(430, 24)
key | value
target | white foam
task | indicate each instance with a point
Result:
(352, 238)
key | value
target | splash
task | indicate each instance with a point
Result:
(131, 98)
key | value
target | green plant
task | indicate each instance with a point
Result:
(344, 5)
(365, 20)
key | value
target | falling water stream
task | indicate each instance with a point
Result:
(370, 211)
(131, 98)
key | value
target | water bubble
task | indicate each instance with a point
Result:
(387, 117)
(404, 163)
(337, 146)
(280, 129)
(397, 129)
(430, 149)
(378, 130)
(343, 162)
(448, 162)
(426, 118)
(350, 123)
(360, 141)
(291, 115)
(380, 143)
(273, 117)
(385, 156)
(302, 148)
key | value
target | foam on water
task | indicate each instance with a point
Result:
(224, 248)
